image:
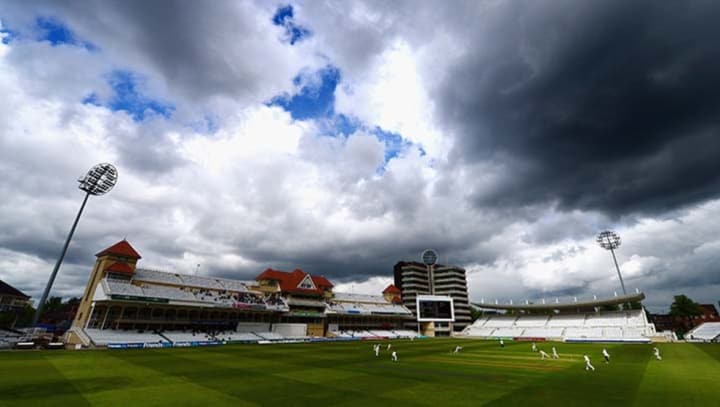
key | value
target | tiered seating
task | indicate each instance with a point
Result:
(249, 327)
(233, 285)
(177, 336)
(386, 309)
(635, 318)
(633, 332)
(276, 302)
(707, 332)
(583, 333)
(155, 276)
(475, 331)
(507, 332)
(109, 336)
(567, 320)
(500, 322)
(248, 336)
(202, 282)
(270, 336)
(612, 332)
(170, 293)
(386, 334)
(122, 287)
(405, 333)
(480, 322)
(611, 319)
(544, 332)
(609, 325)
(531, 320)
(346, 303)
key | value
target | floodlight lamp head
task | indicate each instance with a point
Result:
(429, 257)
(99, 180)
(608, 240)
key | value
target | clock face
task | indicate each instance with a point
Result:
(429, 257)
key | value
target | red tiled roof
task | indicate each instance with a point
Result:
(289, 281)
(392, 289)
(118, 267)
(321, 281)
(7, 289)
(121, 248)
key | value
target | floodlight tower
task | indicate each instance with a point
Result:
(609, 240)
(99, 180)
(429, 258)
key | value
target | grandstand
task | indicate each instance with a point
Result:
(125, 305)
(365, 316)
(706, 332)
(576, 321)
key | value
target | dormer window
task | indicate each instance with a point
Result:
(307, 283)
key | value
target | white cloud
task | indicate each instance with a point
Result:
(265, 190)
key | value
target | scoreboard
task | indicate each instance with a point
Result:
(437, 308)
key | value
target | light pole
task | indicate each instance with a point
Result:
(99, 180)
(609, 240)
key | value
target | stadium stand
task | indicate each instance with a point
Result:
(405, 333)
(155, 276)
(270, 336)
(708, 332)
(110, 336)
(500, 322)
(249, 327)
(123, 302)
(625, 325)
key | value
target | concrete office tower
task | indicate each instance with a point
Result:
(416, 278)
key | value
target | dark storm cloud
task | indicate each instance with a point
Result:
(606, 105)
(193, 52)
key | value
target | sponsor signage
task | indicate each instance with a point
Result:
(136, 298)
(154, 345)
(528, 339)
(306, 314)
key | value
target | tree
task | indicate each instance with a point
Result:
(475, 313)
(684, 309)
(683, 306)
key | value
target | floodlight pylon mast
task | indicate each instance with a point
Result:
(99, 180)
(609, 240)
(50, 282)
(622, 283)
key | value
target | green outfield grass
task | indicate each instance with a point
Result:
(348, 374)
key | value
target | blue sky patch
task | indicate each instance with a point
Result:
(92, 99)
(7, 35)
(56, 33)
(316, 97)
(284, 17)
(209, 124)
(128, 98)
(394, 143)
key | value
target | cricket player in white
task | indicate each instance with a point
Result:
(502, 344)
(555, 355)
(394, 356)
(389, 346)
(656, 351)
(377, 350)
(534, 347)
(606, 355)
(457, 349)
(543, 355)
(588, 366)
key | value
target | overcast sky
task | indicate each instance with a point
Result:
(341, 137)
